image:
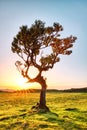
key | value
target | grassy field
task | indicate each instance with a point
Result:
(68, 111)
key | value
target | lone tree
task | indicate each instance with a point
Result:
(40, 46)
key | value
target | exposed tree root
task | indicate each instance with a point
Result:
(40, 108)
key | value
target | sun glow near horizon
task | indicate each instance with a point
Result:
(14, 80)
(23, 83)
(17, 81)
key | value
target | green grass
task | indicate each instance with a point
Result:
(68, 111)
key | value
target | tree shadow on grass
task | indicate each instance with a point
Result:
(72, 109)
(16, 122)
(64, 122)
(49, 120)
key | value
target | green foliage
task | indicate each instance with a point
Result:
(68, 111)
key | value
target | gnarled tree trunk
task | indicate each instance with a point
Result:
(42, 101)
(43, 94)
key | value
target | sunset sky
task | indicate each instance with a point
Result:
(71, 71)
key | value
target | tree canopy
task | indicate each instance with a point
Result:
(31, 44)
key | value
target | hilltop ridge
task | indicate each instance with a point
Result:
(48, 90)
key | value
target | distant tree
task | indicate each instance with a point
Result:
(31, 45)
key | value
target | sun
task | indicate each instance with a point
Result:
(18, 82)
(22, 84)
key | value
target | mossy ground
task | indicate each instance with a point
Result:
(68, 111)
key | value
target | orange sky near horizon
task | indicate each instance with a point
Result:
(17, 81)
